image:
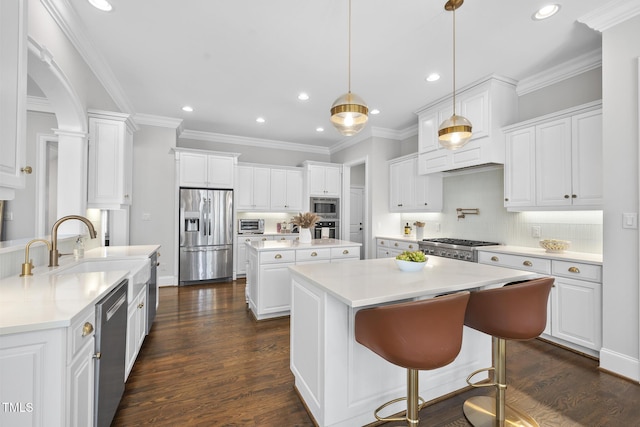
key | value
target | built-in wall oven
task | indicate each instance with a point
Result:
(327, 230)
(328, 208)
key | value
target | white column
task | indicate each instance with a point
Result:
(72, 179)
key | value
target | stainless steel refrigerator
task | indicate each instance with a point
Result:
(206, 234)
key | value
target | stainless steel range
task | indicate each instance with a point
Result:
(461, 249)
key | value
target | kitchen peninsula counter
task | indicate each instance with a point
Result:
(340, 381)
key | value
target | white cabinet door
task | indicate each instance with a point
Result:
(275, 288)
(519, 168)
(586, 147)
(193, 170)
(220, 171)
(244, 190)
(294, 190)
(577, 312)
(253, 190)
(13, 96)
(136, 328)
(286, 190)
(80, 383)
(476, 109)
(402, 185)
(553, 163)
(428, 132)
(428, 192)
(110, 166)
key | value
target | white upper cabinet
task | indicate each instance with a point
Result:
(324, 179)
(110, 166)
(286, 189)
(206, 170)
(253, 188)
(555, 162)
(410, 192)
(13, 96)
(488, 104)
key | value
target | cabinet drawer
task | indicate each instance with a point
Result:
(537, 265)
(350, 252)
(398, 244)
(313, 254)
(577, 270)
(250, 239)
(273, 257)
(80, 332)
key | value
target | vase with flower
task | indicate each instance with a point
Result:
(305, 221)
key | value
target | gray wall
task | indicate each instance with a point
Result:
(154, 190)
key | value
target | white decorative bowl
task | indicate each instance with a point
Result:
(554, 245)
(410, 265)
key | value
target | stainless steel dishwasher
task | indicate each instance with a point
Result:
(110, 355)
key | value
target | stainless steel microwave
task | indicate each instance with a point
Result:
(325, 207)
(250, 226)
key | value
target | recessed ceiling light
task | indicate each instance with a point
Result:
(187, 108)
(546, 12)
(374, 111)
(260, 120)
(303, 96)
(102, 5)
(433, 77)
(319, 129)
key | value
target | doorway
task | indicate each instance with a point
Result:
(355, 204)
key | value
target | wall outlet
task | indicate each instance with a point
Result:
(437, 228)
(630, 220)
(146, 217)
(535, 231)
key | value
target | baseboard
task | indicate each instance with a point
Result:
(167, 281)
(620, 364)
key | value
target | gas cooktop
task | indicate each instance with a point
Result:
(461, 242)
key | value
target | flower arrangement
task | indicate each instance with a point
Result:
(305, 220)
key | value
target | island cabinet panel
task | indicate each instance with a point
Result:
(275, 290)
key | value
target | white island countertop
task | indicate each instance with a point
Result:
(541, 253)
(378, 281)
(269, 245)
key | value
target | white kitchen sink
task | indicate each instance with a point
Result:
(139, 270)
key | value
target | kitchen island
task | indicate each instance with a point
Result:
(340, 381)
(268, 289)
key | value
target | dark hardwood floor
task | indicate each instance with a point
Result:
(207, 362)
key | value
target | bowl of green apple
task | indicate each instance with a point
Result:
(411, 261)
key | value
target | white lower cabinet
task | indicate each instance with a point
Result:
(48, 376)
(241, 251)
(136, 328)
(574, 314)
(387, 248)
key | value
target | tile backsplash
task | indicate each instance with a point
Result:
(484, 190)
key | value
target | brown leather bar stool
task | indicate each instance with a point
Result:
(417, 335)
(516, 311)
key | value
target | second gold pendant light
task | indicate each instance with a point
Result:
(455, 131)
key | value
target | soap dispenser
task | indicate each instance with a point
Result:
(407, 229)
(78, 250)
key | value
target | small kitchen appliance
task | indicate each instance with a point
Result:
(250, 226)
(461, 249)
(328, 208)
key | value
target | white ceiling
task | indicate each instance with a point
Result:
(235, 60)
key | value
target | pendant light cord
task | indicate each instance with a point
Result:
(454, 60)
(349, 52)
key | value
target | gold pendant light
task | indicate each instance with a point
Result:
(349, 113)
(455, 131)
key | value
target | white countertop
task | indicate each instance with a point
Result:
(377, 281)
(48, 300)
(403, 237)
(270, 245)
(541, 253)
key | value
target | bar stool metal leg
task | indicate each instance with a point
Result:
(486, 411)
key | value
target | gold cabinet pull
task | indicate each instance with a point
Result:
(345, 252)
(278, 256)
(574, 270)
(410, 246)
(87, 329)
(141, 305)
(27, 170)
(527, 263)
(395, 244)
(495, 259)
(314, 254)
(264, 238)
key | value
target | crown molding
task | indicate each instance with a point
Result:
(568, 69)
(39, 104)
(611, 14)
(253, 142)
(72, 26)
(160, 121)
(375, 132)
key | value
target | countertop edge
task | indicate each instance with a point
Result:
(583, 257)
